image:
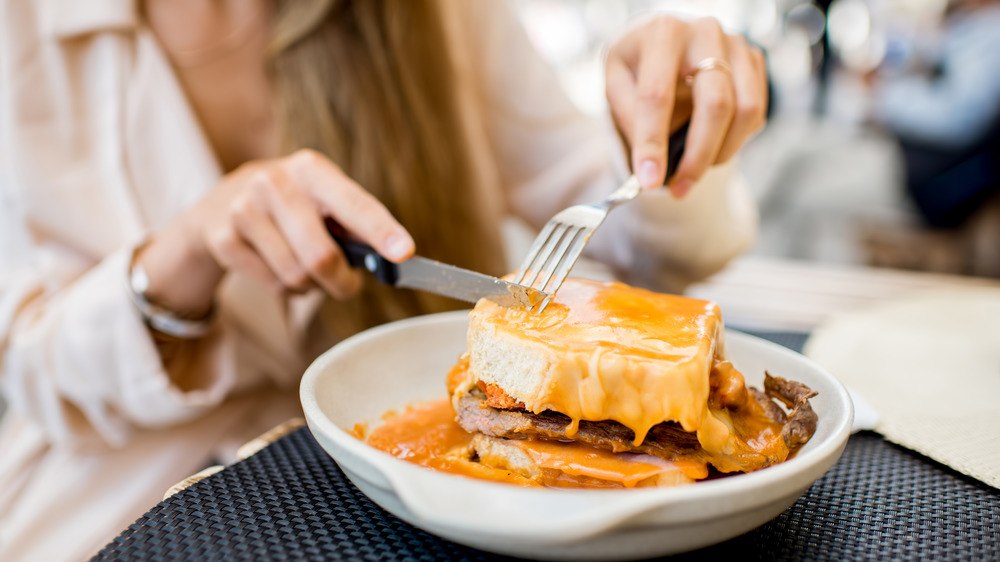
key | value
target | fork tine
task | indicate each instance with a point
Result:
(569, 231)
(540, 265)
(536, 247)
(567, 264)
(580, 241)
(560, 255)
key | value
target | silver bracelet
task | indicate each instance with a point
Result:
(159, 318)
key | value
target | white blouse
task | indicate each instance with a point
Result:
(99, 147)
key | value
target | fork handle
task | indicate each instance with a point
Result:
(362, 255)
(632, 188)
(675, 149)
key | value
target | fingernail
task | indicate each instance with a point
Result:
(649, 174)
(398, 246)
(681, 188)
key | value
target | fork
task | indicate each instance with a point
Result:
(561, 241)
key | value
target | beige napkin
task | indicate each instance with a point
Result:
(930, 365)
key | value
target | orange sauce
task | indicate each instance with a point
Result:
(359, 431)
(428, 435)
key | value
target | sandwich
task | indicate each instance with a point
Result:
(615, 386)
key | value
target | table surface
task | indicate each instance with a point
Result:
(290, 501)
(787, 295)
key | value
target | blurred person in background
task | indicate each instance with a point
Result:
(167, 166)
(944, 109)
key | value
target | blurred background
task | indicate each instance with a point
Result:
(882, 144)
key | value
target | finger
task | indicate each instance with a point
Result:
(301, 223)
(658, 68)
(253, 222)
(750, 84)
(350, 205)
(232, 252)
(620, 90)
(619, 70)
(714, 105)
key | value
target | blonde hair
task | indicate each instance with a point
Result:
(373, 85)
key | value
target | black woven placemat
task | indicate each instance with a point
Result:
(290, 501)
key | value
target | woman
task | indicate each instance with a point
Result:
(197, 145)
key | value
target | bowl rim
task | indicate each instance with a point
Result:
(618, 506)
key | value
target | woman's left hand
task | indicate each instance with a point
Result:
(649, 94)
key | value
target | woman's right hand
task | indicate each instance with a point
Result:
(266, 220)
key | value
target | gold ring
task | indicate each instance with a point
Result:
(710, 63)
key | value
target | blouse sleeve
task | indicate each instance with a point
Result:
(75, 356)
(550, 156)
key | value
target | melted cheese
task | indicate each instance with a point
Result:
(607, 351)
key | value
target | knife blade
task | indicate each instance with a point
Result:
(436, 277)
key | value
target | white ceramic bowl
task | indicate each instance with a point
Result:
(389, 367)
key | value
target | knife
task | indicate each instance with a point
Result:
(435, 277)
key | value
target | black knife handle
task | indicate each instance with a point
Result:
(362, 255)
(675, 148)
